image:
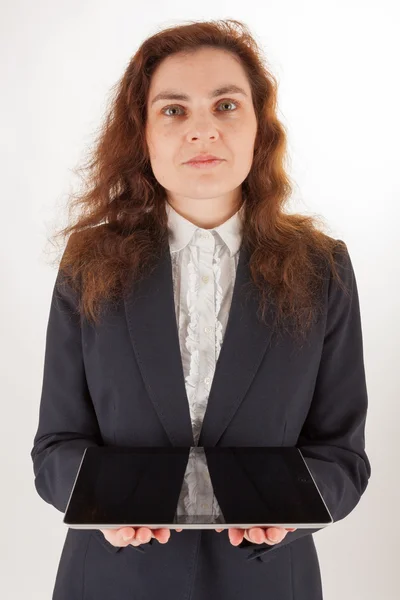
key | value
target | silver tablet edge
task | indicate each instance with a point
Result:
(73, 487)
(315, 483)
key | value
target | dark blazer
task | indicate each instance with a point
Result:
(121, 383)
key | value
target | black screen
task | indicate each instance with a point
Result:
(140, 486)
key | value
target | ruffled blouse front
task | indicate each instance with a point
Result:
(204, 272)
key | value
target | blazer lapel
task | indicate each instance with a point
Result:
(150, 312)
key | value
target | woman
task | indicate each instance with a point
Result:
(139, 351)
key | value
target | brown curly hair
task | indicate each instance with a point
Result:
(122, 230)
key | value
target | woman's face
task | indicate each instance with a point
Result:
(177, 129)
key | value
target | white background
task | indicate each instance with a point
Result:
(337, 67)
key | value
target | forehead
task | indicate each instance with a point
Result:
(202, 72)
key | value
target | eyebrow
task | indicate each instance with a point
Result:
(173, 95)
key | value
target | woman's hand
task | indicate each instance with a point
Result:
(258, 535)
(142, 535)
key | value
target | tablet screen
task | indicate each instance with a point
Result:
(226, 486)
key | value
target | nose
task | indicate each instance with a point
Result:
(202, 129)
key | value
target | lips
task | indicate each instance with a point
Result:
(203, 158)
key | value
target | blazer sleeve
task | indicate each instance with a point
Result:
(332, 438)
(67, 420)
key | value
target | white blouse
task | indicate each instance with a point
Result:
(204, 263)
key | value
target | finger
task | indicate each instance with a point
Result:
(271, 536)
(235, 535)
(255, 535)
(162, 535)
(219, 530)
(120, 537)
(142, 536)
(275, 534)
(127, 535)
(123, 536)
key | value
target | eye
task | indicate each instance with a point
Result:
(229, 102)
(175, 106)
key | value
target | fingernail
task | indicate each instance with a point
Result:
(127, 537)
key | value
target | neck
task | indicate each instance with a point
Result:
(206, 213)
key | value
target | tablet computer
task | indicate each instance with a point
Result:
(240, 487)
